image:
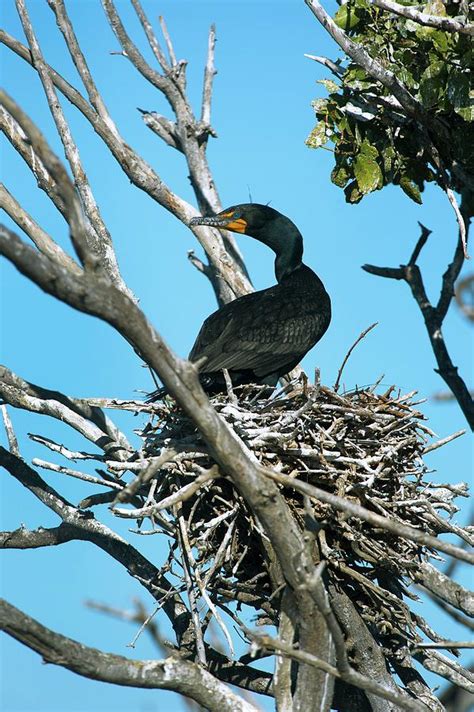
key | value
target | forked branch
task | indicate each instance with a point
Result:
(434, 315)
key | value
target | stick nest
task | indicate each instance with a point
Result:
(362, 445)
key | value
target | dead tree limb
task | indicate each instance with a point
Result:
(434, 316)
(172, 673)
(447, 24)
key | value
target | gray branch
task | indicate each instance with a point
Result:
(230, 276)
(171, 673)
(23, 538)
(209, 73)
(87, 528)
(151, 37)
(90, 422)
(41, 239)
(444, 588)
(447, 24)
(101, 248)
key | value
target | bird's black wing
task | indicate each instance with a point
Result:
(262, 332)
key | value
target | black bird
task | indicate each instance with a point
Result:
(261, 336)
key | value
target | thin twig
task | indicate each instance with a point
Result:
(63, 450)
(335, 68)
(169, 44)
(421, 242)
(446, 644)
(346, 357)
(209, 73)
(460, 220)
(76, 474)
(151, 37)
(186, 557)
(443, 441)
(180, 496)
(11, 437)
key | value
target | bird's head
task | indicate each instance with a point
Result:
(247, 218)
(266, 225)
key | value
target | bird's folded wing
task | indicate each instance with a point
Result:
(261, 340)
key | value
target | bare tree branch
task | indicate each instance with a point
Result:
(23, 538)
(19, 389)
(180, 496)
(400, 701)
(41, 239)
(50, 174)
(444, 588)
(335, 68)
(54, 467)
(371, 665)
(230, 280)
(80, 62)
(11, 437)
(233, 672)
(447, 24)
(87, 528)
(171, 674)
(346, 357)
(151, 37)
(434, 315)
(102, 247)
(209, 73)
(169, 44)
(435, 662)
(446, 644)
(16, 392)
(162, 127)
(191, 134)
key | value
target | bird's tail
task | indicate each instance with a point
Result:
(157, 395)
(211, 384)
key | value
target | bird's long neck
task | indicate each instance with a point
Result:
(284, 238)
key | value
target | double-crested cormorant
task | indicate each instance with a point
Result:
(261, 336)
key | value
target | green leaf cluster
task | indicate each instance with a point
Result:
(376, 142)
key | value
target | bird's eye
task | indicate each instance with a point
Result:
(236, 214)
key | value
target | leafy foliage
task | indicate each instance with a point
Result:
(375, 142)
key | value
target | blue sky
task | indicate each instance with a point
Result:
(262, 114)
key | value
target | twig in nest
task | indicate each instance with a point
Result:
(346, 358)
(229, 388)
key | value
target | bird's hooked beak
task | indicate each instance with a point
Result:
(226, 220)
